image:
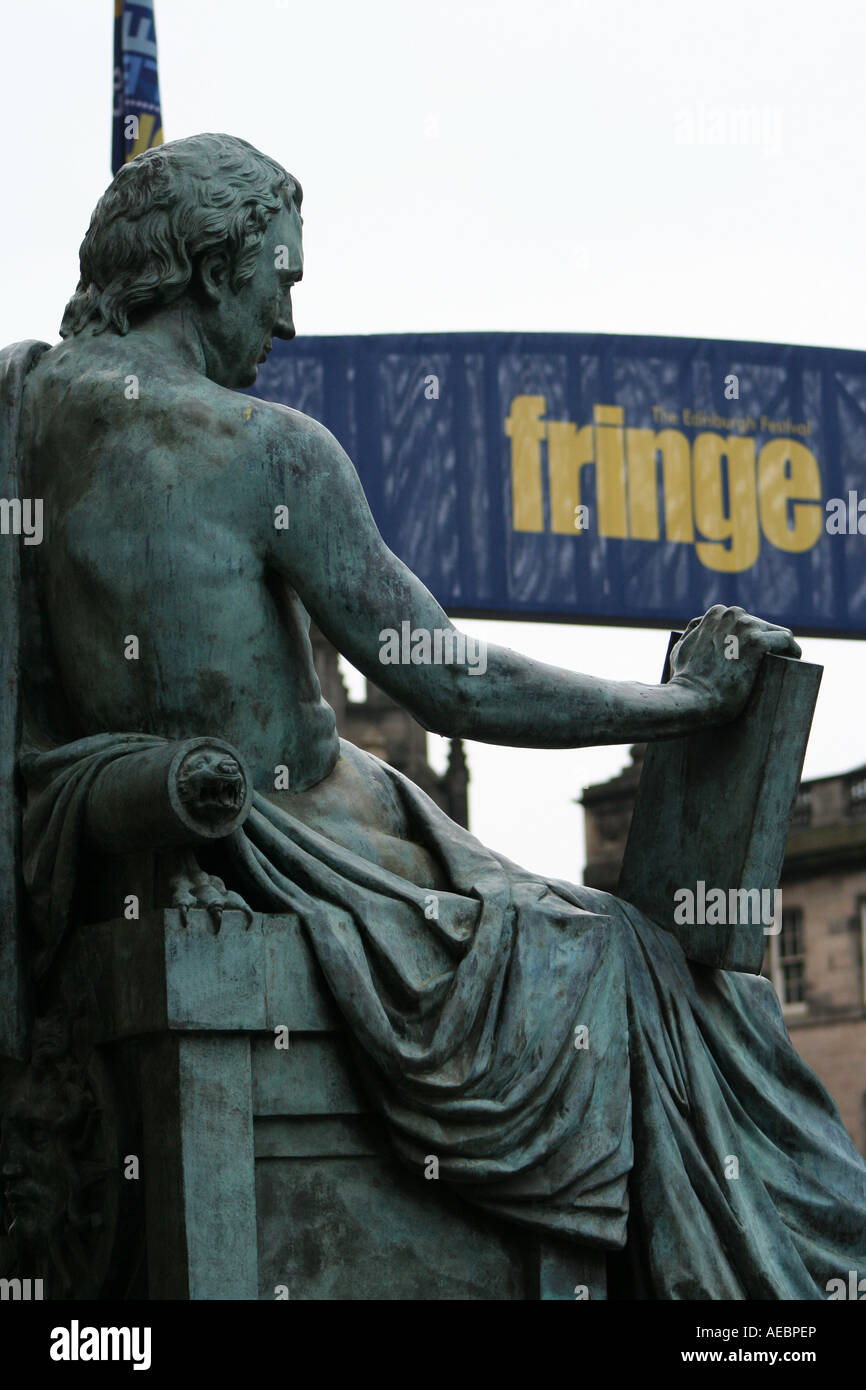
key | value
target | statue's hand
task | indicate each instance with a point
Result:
(718, 656)
(192, 887)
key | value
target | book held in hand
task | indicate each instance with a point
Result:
(711, 820)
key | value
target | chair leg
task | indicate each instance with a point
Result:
(199, 1168)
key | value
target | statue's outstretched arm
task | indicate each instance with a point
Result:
(362, 597)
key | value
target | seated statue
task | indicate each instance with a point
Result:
(554, 1048)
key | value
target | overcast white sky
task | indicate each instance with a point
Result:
(498, 166)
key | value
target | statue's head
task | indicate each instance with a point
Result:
(207, 224)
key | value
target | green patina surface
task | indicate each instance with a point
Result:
(574, 1074)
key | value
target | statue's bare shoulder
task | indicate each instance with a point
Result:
(304, 469)
(130, 419)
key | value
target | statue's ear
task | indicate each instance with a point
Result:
(212, 275)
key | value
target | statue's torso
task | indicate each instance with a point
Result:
(154, 524)
(153, 531)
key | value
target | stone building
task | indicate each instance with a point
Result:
(817, 962)
(380, 726)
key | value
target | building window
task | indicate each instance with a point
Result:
(802, 814)
(788, 960)
(857, 797)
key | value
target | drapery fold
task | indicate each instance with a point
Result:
(555, 1051)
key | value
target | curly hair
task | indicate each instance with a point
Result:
(165, 209)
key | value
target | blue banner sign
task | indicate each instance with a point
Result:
(598, 478)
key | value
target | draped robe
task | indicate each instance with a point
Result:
(555, 1050)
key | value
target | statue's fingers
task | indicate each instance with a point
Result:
(770, 636)
(761, 625)
(734, 619)
(781, 642)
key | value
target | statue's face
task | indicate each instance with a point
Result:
(261, 310)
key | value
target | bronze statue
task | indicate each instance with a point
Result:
(171, 607)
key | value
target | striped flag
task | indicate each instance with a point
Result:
(137, 117)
